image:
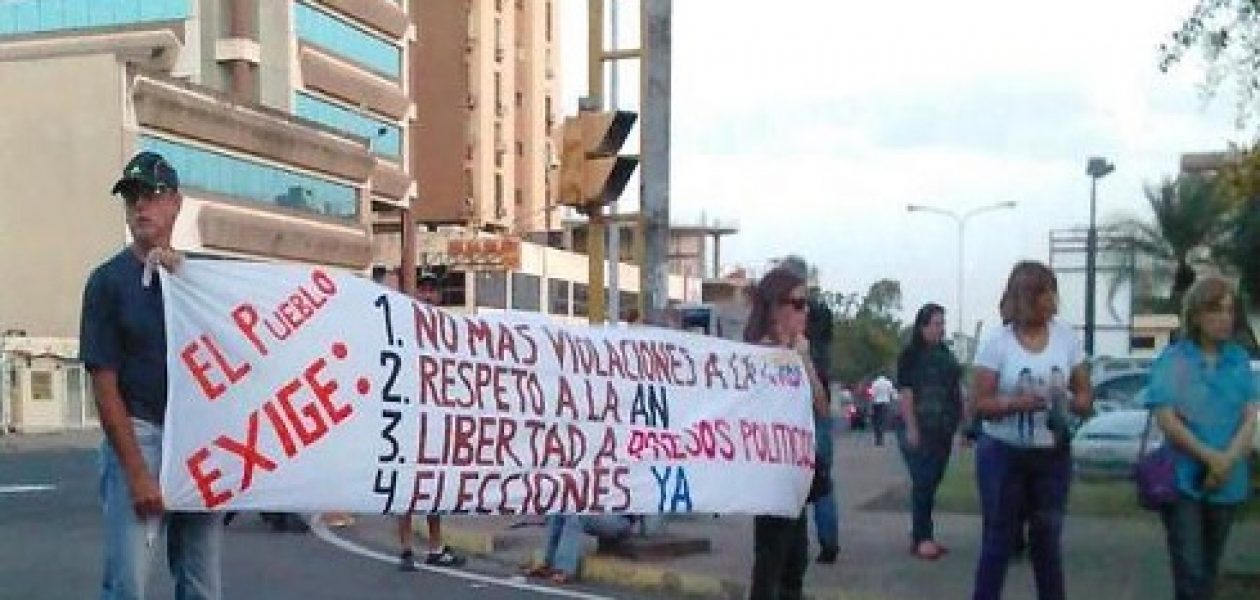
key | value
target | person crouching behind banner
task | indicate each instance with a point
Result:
(781, 545)
(123, 346)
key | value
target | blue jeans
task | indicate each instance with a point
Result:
(1196, 533)
(564, 537)
(826, 514)
(1018, 483)
(926, 464)
(193, 540)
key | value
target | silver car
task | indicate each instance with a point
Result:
(1106, 446)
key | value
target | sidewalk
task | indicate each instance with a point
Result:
(1116, 559)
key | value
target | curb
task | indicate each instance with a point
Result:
(646, 578)
(463, 540)
(626, 574)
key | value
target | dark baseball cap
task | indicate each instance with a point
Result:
(147, 169)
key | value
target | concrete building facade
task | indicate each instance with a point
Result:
(485, 141)
(288, 122)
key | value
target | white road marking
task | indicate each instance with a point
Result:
(324, 533)
(25, 488)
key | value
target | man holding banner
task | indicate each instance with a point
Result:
(123, 346)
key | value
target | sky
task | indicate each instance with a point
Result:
(812, 125)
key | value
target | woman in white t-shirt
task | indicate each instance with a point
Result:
(1028, 376)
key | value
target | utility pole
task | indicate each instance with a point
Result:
(1096, 168)
(614, 227)
(656, 22)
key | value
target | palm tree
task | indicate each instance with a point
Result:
(1190, 225)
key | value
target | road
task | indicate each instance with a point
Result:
(50, 547)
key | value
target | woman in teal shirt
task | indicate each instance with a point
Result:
(1204, 398)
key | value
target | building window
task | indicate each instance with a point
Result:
(498, 94)
(526, 292)
(1142, 342)
(547, 17)
(520, 148)
(248, 180)
(629, 305)
(491, 289)
(383, 137)
(558, 297)
(33, 16)
(498, 39)
(500, 211)
(579, 300)
(520, 99)
(339, 37)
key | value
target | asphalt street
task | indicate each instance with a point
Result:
(50, 547)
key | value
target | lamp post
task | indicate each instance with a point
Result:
(961, 221)
(1096, 168)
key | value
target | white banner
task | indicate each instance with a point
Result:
(303, 389)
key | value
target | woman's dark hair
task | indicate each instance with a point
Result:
(1028, 281)
(773, 288)
(918, 346)
(921, 320)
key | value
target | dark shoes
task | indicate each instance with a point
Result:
(828, 554)
(407, 561)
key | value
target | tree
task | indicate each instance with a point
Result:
(1227, 33)
(867, 331)
(1189, 220)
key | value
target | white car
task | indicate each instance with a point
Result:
(1106, 446)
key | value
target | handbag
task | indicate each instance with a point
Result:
(1154, 473)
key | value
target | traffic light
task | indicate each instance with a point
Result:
(591, 172)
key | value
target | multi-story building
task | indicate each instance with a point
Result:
(484, 140)
(288, 122)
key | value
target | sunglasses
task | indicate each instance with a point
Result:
(132, 197)
(797, 303)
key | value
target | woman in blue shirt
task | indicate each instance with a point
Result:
(1204, 399)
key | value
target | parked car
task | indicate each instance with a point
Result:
(1106, 446)
(1118, 388)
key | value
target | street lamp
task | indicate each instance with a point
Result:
(961, 222)
(1096, 168)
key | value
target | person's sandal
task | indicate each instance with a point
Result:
(538, 571)
(560, 578)
(443, 558)
(926, 550)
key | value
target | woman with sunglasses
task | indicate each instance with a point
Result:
(781, 545)
(1023, 463)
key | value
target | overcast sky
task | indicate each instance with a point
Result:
(813, 123)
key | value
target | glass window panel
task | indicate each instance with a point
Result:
(526, 291)
(385, 137)
(491, 289)
(345, 40)
(248, 180)
(31, 16)
(558, 296)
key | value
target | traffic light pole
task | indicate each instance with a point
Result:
(595, 242)
(656, 23)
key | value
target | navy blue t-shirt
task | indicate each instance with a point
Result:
(123, 329)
